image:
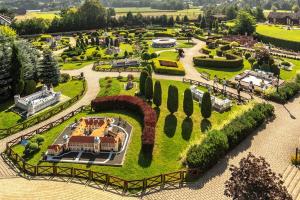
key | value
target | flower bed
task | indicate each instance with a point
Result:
(134, 104)
(168, 67)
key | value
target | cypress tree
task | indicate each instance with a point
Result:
(16, 71)
(206, 106)
(188, 105)
(149, 88)
(48, 70)
(203, 22)
(157, 94)
(143, 77)
(172, 102)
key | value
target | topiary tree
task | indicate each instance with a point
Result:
(188, 105)
(253, 179)
(39, 139)
(157, 96)
(172, 102)
(143, 77)
(149, 88)
(146, 56)
(206, 106)
(48, 70)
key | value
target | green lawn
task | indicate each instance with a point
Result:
(278, 32)
(226, 73)
(180, 44)
(169, 55)
(74, 65)
(174, 135)
(9, 118)
(288, 75)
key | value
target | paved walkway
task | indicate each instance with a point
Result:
(276, 142)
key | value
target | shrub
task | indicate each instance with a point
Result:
(134, 104)
(285, 63)
(286, 44)
(157, 97)
(206, 106)
(30, 86)
(205, 155)
(163, 34)
(64, 77)
(143, 77)
(232, 61)
(247, 55)
(172, 102)
(158, 68)
(285, 92)
(149, 88)
(188, 104)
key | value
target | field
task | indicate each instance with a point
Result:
(45, 15)
(174, 134)
(278, 32)
(266, 12)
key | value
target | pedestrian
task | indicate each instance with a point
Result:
(215, 83)
(224, 82)
(251, 89)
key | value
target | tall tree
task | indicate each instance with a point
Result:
(149, 88)
(157, 96)
(253, 179)
(16, 71)
(48, 71)
(143, 77)
(172, 102)
(245, 23)
(206, 106)
(188, 105)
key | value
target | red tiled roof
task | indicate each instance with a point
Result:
(54, 147)
(82, 139)
(108, 140)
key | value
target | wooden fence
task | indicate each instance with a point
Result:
(39, 118)
(109, 182)
(219, 90)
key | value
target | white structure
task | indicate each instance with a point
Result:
(37, 101)
(164, 42)
(6, 21)
(217, 103)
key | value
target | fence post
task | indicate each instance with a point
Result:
(181, 178)
(55, 170)
(90, 175)
(162, 180)
(144, 185)
(296, 154)
(125, 187)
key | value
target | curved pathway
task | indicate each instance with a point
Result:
(276, 142)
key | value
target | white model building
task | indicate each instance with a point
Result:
(37, 101)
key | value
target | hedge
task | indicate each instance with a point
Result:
(286, 44)
(134, 104)
(179, 70)
(163, 34)
(217, 143)
(232, 61)
(285, 92)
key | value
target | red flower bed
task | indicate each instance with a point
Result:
(134, 104)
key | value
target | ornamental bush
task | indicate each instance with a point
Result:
(232, 61)
(149, 88)
(285, 92)
(172, 102)
(157, 96)
(143, 77)
(206, 106)
(188, 104)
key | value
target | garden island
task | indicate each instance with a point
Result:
(137, 98)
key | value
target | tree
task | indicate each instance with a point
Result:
(188, 104)
(146, 56)
(245, 23)
(39, 139)
(251, 60)
(157, 96)
(203, 22)
(172, 102)
(48, 70)
(259, 14)
(253, 179)
(206, 106)
(30, 86)
(149, 88)
(189, 36)
(231, 12)
(143, 77)
(295, 8)
(16, 71)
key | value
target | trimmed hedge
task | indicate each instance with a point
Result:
(134, 104)
(179, 70)
(232, 61)
(217, 143)
(286, 44)
(163, 34)
(285, 92)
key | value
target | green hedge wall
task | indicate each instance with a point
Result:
(168, 70)
(286, 44)
(222, 63)
(163, 34)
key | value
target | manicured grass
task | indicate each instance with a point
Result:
(278, 32)
(174, 134)
(74, 65)
(289, 75)
(180, 44)
(9, 118)
(169, 55)
(226, 73)
(45, 15)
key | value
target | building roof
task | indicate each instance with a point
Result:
(110, 140)
(82, 139)
(280, 15)
(55, 147)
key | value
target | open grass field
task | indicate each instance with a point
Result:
(9, 118)
(174, 134)
(45, 15)
(278, 32)
(289, 75)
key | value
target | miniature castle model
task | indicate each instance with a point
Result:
(91, 135)
(163, 43)
(218, 104)
(37, 101)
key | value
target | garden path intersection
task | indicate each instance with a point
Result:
(276, 142)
